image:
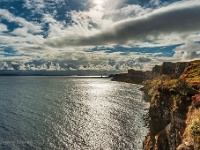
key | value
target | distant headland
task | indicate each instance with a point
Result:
(172, 70)
(55, 73)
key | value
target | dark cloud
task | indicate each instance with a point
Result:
(143, 59)
(181, 19)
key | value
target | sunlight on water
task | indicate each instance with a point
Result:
(99, 110)
(71, 113)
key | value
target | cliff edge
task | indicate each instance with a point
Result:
(173, 90)
(174, 114)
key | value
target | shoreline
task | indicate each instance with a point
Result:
(173, 93)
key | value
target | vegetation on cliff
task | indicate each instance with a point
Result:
(174, 114)
(173, 90)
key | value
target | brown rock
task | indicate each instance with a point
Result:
(184, 147)
(196, 100)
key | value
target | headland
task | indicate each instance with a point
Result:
(173, 91)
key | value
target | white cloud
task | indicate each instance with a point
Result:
(77, 60)
(5, 66)
(155, 2)
(188, 51)
(20, 32)
(107, 4)
(24, 39)
(128, 11)
(111, 23)
(175, 19)
(32, 27)
(35, 5)
(84, 61)
(3, 28)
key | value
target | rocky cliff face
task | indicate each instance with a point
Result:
(173, 90)
(174, 114)
(172, 70)
(136, 77)
(132, 76)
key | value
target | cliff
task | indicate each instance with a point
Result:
(132, 76)
(174, 114)
(172, 70)
(173, 90)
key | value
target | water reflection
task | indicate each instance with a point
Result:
(71, 113)
(98, 114)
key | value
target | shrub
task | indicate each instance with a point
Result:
(195, 128)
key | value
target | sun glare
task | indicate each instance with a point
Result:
(98, 2)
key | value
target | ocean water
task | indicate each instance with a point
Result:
(63, 113)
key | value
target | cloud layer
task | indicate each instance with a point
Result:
(62, 35)
(179, 18)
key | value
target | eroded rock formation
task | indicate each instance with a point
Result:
(173, 90)
(174, 114)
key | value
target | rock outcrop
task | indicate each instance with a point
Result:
(172, 70)
(173, 90)
(196, 100)
(174, 114)
(133, 76)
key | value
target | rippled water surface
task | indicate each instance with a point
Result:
(70, 113)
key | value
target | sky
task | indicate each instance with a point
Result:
(97, 35)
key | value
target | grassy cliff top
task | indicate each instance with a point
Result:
(190, 77)
(192, 72)
(180, 97)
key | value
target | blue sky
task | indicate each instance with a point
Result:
(105, 35)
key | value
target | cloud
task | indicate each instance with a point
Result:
(128, 11)
(143, 59)
(188, 51)
(35, 5)
(3, 27)
(81, 61)
(5, 66)
(32, 27)
(26, 39)
(178, 18)
(69, 43)
(155, 2)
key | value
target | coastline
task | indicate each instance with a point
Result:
(173, 91)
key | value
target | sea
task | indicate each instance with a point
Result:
(70, 113)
